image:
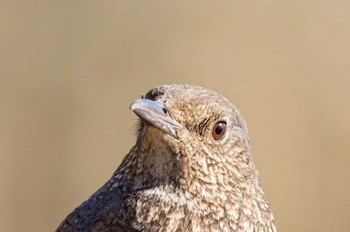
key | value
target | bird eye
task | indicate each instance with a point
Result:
(219, 130)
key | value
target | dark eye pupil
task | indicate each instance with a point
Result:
(218, 129)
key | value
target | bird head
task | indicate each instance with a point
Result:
(192, 136)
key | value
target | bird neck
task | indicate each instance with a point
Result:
(150, 163)
(155, 171)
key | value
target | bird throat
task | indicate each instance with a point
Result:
(165, 188)
(157, 161)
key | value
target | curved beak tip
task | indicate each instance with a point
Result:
(152, 113)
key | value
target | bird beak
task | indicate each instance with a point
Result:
(155, 114)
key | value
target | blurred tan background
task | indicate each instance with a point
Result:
(69, 70)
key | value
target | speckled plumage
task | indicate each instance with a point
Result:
(181, 179)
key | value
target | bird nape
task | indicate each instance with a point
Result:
(191, 169)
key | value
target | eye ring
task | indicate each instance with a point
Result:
(219, 130)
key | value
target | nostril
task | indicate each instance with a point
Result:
(165, 111)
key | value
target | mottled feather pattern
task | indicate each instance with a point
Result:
(187, 182)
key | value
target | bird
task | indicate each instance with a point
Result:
(191, 169)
